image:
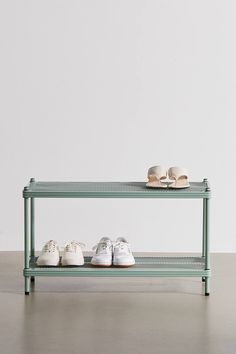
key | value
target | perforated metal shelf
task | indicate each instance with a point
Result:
(111, 190)
(145, 266)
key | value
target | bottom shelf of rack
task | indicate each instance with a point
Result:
(144, 267)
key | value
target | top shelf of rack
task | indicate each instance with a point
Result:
(37, 189)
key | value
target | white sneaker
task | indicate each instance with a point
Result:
(73, 255)
(122, 255)
(103, 254)
(49, 255)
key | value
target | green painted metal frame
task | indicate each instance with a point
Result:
(145, 266)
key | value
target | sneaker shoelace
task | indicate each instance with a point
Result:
(72, 246)
(50, 246)
(102, 246)
(123, 246)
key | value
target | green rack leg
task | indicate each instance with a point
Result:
(203, 232)
(27, 285)
(32, 230)
(207, 286)
(207, 250)
(26, 243)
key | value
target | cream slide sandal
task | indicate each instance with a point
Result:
(180, 177)
(155, 175)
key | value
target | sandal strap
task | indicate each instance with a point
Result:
(176, 172)
(160, 172)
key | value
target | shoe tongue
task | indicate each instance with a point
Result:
(52, 242)
(105, 239)
(121, 239)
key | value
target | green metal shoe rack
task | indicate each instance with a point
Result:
(145, 266)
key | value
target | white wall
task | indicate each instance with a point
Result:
(101, 90)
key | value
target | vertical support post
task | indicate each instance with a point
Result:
(207, 260)
(207, 247)
(204, 228)
(32, 227)
(26, 243)
(204, 231)
(32, 231)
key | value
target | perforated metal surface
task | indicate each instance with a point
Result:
(145, 266)
(111, 190)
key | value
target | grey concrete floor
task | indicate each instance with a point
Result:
(124, 315)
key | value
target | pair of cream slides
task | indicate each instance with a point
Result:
(157, 174)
